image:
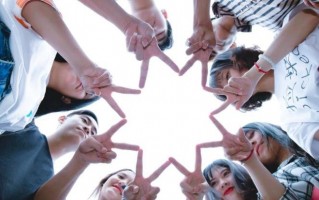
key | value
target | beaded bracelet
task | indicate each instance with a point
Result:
(267, 59)
(260, 69)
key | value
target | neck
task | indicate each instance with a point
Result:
(266, 83)
(56, 75)
(283, 155)
(59, 146)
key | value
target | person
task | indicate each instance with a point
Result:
(229, 180)
(26, 155)
(279, 168)
(130, 185)
(222, 179)
(64, 91)
(235, 17)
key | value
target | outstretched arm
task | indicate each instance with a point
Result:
(41, 16)
(298, 28)
(89, 151)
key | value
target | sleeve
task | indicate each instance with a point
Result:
(19, 5)
(219, 11)
(298, 190)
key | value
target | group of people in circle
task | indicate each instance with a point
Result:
(277, 162)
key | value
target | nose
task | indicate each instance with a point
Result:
(87, 129)
(223, 184)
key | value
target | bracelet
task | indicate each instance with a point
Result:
(267, 59)
(260, 69)
(249, 156)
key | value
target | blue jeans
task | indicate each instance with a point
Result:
(6, 61)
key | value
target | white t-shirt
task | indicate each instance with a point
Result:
(33, 59)
(297, 89)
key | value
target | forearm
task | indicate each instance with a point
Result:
(111, 11)
(268, 186)
(292, 34)
(47, 22)
(137, 5)
(201, 12)
(60, 185)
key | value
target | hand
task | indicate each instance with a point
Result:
(311, 4)
(154, 17)
(230, 99)
(236, 147)
(148, 52)
(243, 87)
(202, 38)
(140, 188)
(139, 28)
(202, 55)
(94, 77)
(105, 138)
(194, 186)
(106, 94)
(98, 148)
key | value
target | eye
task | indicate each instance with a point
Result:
(85, 120)
(226, 173)
(121, 176)
(212, 183)
(250, 134)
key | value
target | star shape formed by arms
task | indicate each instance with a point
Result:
(194, 186)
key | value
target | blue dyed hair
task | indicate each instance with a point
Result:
(242, 181)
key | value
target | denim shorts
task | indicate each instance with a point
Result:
(6, 61)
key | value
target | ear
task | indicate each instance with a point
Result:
(164, 12)
(61, 119)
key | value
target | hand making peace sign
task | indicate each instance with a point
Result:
(140, 188)
(194, 186)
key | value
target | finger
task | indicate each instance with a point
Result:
(124, 90)
(210, 144)
(186, 187)
(218, 125)
(194, 48)
(107, 156)
(108, 134)
(216, 91)
(239, 104)
(144, 71)
(131, 43)
(159, 171)
(198, 159)
(179, 166)
(188, 65)
(104, 80)
(140, 51)
(139, 164)
(114, 106)
(168, 61)
(91, 144)
(148, 37)
(204, 73)
(125, 146)
(221, 107)
(153, 193)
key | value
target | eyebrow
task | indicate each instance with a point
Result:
(93, 127)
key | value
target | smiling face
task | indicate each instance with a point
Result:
(113, 187)
(267, 151)
(65, 81)
(223, 183)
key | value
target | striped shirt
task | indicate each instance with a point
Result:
(266, 13)
(298, 177)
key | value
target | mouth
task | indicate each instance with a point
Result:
(228, 191)
(117, 188)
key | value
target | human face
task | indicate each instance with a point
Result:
(226, 74)
(68, 82)
(267, 151)
(77, 127)
(223, 183)
(112, 188)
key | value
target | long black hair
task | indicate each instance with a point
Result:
(54, 101)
